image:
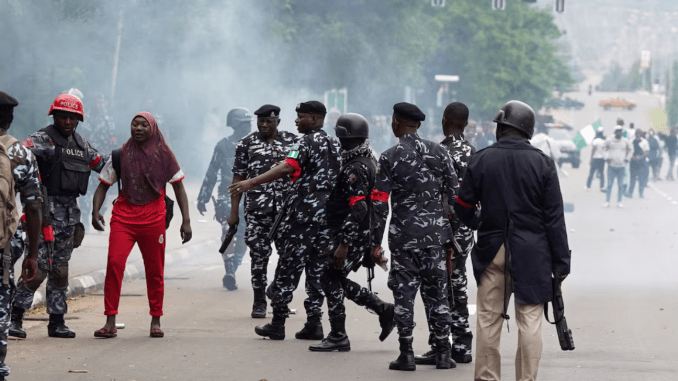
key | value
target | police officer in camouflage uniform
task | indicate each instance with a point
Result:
(348, 217)
(455, 119)
(418, 174)
(255, 154)
(313, 162)
(24, 170)
(240, 120)
(65, 160)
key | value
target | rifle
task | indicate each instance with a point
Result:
(229, 237)
(47, 228)
(370, 277)
(564, 333)
(280, 216)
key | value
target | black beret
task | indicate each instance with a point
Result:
(312, 107)
(267, 111)
(408, 111)
(7, 101)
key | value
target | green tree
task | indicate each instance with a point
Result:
(377, 47)
(672, 104)
(500, 55)
(372, 47)
(617, 80)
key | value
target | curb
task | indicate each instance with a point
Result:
(94, 280)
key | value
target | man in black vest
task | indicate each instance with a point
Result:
(65, 160)
(348, 217)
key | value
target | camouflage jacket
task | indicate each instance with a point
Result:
(219, 170)
(26, 174)
(315, 158)
(350, 196)
(416, 173)
(460, 151)
(254, 156)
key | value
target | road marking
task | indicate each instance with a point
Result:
(663, 194)
(471, 309)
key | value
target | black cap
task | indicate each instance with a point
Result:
(7, 101)
(312, 107)
(267, 111)
(408, 111)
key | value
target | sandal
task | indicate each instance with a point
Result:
(157, 332)
(103, 332)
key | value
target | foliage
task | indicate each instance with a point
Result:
(672, 104)
(617, 80)
(376, 48)
(501, 55)
(371, 47)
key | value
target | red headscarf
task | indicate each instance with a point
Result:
(147, 168)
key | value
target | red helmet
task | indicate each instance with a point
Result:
(68, 103)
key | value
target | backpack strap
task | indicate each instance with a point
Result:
(115, 157)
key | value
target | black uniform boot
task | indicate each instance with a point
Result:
(406, 359)
(337, 340)
(461, 358)
(443, 354)
(313, 330)
(259, 306)
(16, 328)
(57, 327)
(275, 330)
(386, 312)
(428, 358)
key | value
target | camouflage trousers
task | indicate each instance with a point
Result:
(6, 292)
(236, 250)
(462, 337)
(304, 249)
(410, 270)
(64, 218)
(256, 238)
(336, 284)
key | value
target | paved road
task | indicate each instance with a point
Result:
(620, 300)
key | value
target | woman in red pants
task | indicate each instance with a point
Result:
(146, 165)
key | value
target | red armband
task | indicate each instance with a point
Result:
(354, 199)
(379, 196)
(23, 218)
(28, 143)
(296, 166)
(462, 203)
(95, 162)
(48, 233)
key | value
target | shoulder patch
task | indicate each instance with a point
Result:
(294, 151)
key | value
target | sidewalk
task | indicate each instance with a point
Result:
(87, 267)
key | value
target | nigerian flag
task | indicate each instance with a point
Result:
(586, 134)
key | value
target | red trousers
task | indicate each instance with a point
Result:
(151, 241)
